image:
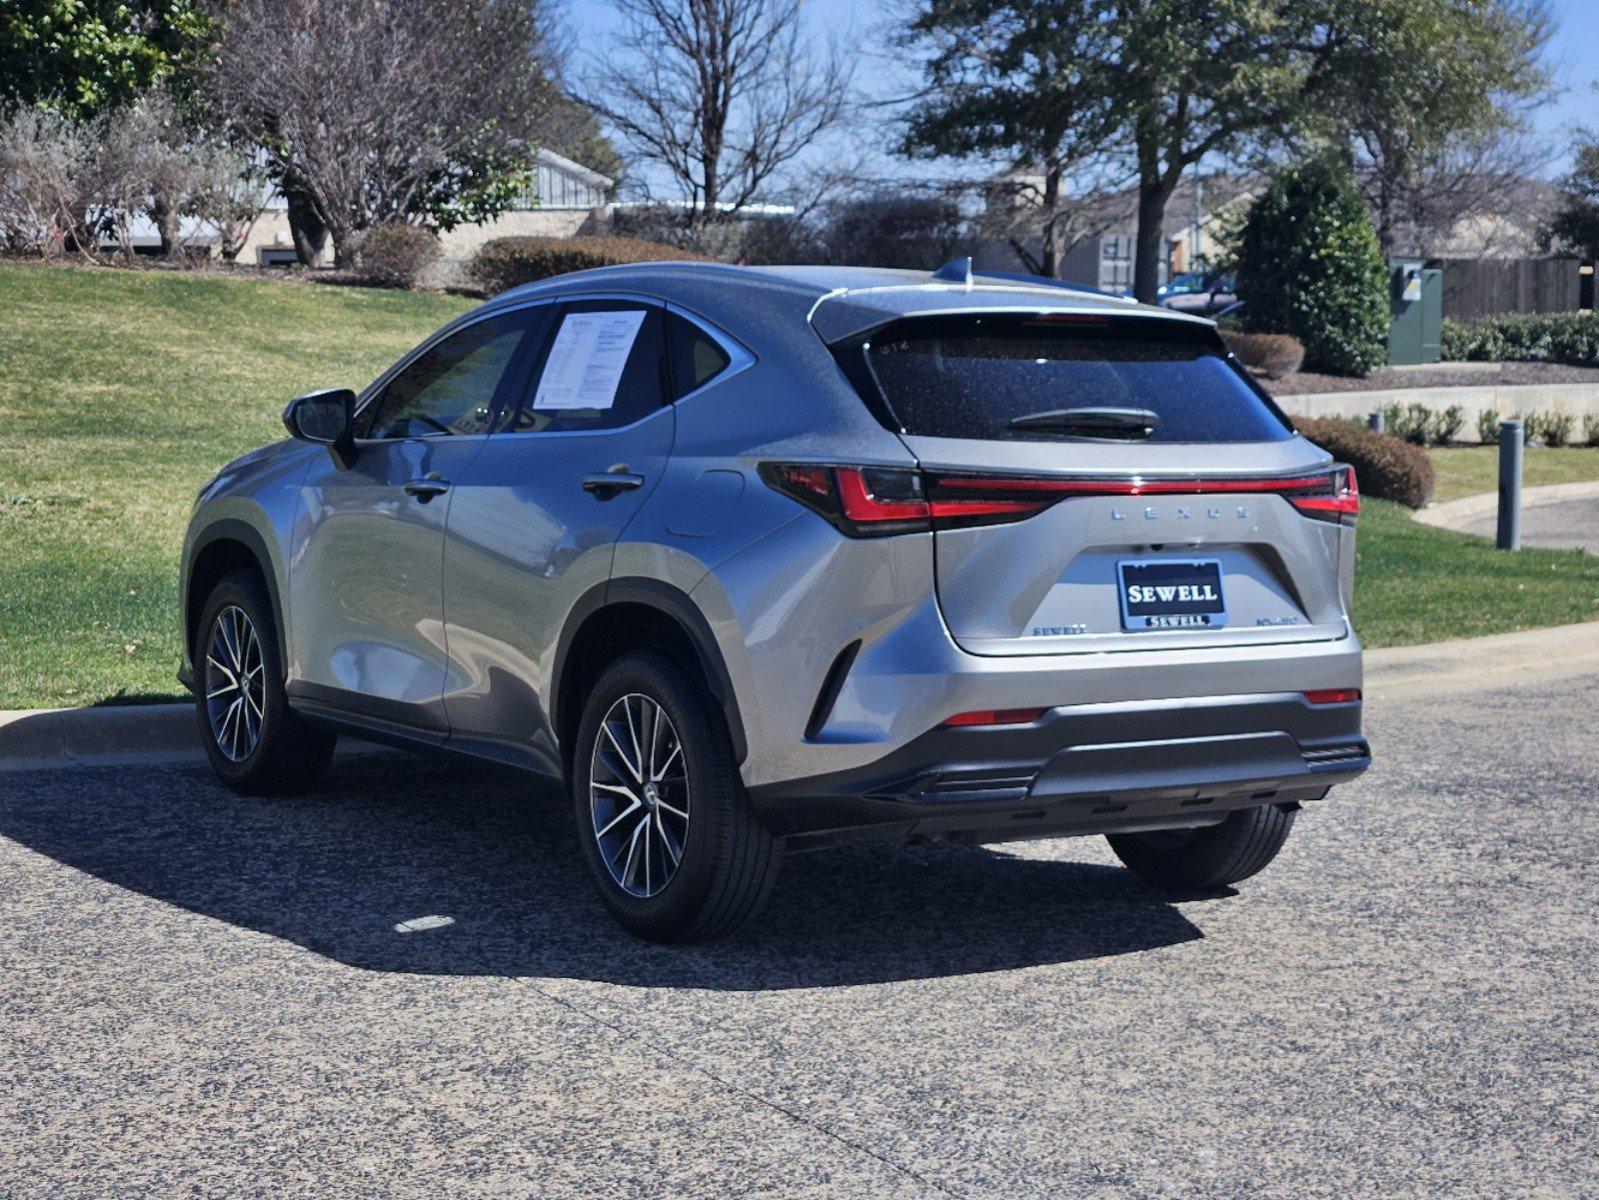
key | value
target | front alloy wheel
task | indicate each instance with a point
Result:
(255, 742)
(639, 795)
(235, 684)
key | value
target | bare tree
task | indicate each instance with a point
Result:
(388, 110)
(723, 95)
(46, 180)
(233, 198)
(1421, 198)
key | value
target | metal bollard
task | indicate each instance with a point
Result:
(1511, 440)
(1376, 422)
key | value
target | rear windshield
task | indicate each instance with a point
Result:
(971, 377)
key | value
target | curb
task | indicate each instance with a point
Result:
(31, 739)
(142, 735)
(1452, 514)
(166, 734)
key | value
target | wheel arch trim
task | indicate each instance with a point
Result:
(234, 530)
(673, 603)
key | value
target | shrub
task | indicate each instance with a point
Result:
(1488, 426)
(1309, 264)
(397, 255)
(1448, 424)
(1419, 425)
(1555, 429)
(1590, 429)
(1526, 337)
(1387, 467)
(511, 261)
(1274, 355)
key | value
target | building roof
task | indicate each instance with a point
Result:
(559, 162)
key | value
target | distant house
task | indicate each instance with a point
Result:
(1509, 223)
(1103, 254)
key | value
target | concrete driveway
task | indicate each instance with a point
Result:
(207, 995)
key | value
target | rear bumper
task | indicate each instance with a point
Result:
(1093, 768)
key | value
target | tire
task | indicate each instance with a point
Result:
(277, 751)
(628, 825)
(1210, 857)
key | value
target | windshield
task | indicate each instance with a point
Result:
(974, 377)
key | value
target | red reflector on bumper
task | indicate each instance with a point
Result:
(1333, 696)
(996, 716)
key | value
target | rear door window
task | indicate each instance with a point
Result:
(974, 377)
(604, 366)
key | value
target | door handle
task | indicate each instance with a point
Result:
(427, 487)
(605, 484)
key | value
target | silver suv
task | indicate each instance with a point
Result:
(755, 558)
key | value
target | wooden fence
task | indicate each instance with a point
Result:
(1486, 287)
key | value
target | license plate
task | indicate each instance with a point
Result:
(1171, 594)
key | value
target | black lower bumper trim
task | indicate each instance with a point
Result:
(1102, 768)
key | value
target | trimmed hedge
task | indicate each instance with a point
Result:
(1275, 355)
(509, 262)
(1525, 337)
(1387, 468)
(397, 255)
(1309, 265)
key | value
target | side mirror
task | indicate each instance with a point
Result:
(326, 418)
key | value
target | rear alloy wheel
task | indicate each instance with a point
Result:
(1210, 857)
(255, 742)
(639, 796)
(670, 838)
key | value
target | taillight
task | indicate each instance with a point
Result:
(1337, 498)
(877, 501)
(861, 501)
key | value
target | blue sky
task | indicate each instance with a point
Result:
(1574, 56)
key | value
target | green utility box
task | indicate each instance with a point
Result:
(1416, 308)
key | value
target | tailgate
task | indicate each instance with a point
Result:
(1109, 484)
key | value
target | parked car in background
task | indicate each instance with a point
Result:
(1202, 295)
(753, 557)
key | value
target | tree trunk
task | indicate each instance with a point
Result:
(1150, 248)
(305, 227)
(346, 247)
(165, 217)
(1050, 254)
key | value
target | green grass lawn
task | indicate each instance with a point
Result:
(1467, 470)
(121, 392)
(1414, 583)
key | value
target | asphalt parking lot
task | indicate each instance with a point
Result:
(208, 995)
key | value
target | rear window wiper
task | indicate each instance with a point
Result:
(1092, 422)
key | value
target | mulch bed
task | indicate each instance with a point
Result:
(1465, 375)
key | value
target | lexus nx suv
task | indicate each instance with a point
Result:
(763, 558)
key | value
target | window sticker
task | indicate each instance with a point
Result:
(585, 364)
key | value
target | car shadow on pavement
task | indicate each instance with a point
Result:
(395, 840)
